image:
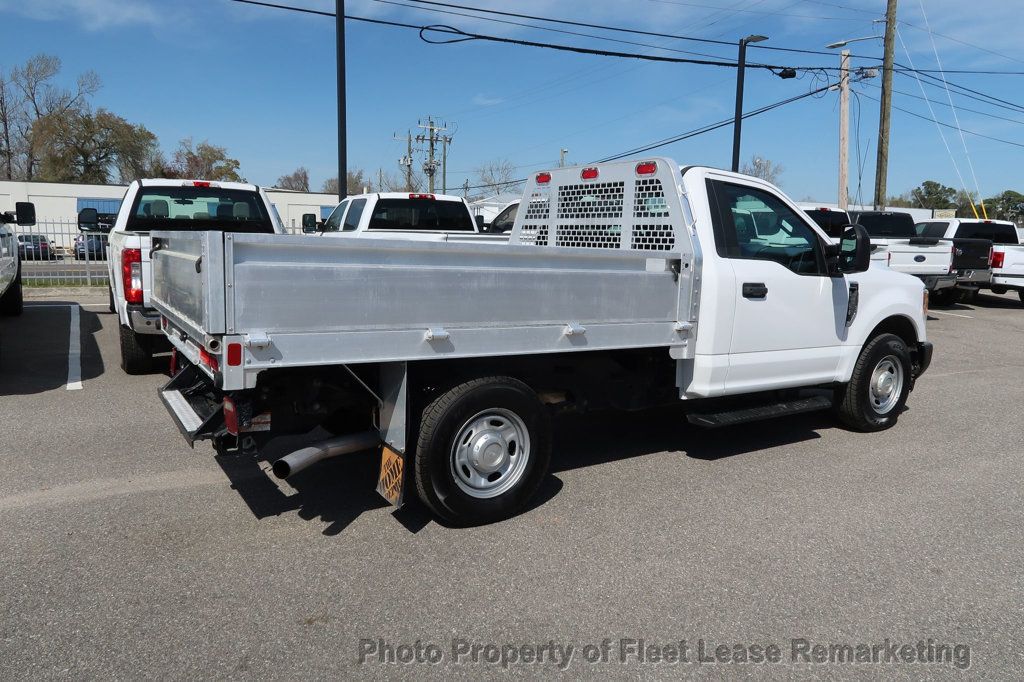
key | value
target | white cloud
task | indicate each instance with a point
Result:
(94, 15)
(482, 100)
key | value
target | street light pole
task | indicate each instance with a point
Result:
(844, 127)
(738, 120)
(342, 121)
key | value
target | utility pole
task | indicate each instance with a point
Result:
(465, 189)
(339, 19)
(445, 141)
(882, 165)
(432, 137)
(406, 160)
(844, 128)
(561, 157)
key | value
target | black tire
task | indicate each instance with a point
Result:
(854, 403)
(1020, 295)
(110, 304)
(136, 354)
(13, 301)
(943, 296)
(441, 423)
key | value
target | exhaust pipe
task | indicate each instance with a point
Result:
(310, 455)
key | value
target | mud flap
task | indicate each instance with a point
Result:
(391, 479)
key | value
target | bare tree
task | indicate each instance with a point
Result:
(10, 105)
(497, 176)
(356, 183)
(39, 98)
(298, 181)
(763, 168)
(204, 161)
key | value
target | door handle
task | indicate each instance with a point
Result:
(755, 290)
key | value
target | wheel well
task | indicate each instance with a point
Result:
(898, 325)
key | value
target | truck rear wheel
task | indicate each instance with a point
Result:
(484, 447)
(879, 387)
(942, 296)
(136, 354)
(13, 300)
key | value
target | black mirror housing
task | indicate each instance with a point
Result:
(853, 253)
(26, 213)
(308, 222)
(88, 220)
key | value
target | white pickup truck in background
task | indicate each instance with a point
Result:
(1007, 253)
(895, 239)
(398, 215)
(192, 205)
(623, 285)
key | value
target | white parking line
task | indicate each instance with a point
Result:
(942, 312)
(75, 351)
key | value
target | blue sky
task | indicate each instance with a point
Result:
(262, 83)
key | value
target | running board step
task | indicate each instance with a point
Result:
(753, 414)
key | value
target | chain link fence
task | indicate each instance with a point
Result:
(55, 254)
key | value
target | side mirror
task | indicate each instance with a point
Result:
(88, 220)
(480, 225)
(853, 253)
(26, 212)
(308, 223)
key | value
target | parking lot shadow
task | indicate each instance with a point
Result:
(586, 440)
(34, 348)
(991, 301)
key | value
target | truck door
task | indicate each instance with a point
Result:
(790, 316)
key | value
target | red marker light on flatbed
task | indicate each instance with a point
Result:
(589, 173)
(543, 178)
(647, 168)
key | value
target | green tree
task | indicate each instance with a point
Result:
(1008, 205)
(79, 146)
(933, 195)
(204, 161)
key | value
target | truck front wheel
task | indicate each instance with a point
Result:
(136, 354)
(483, 449)
(879, 387)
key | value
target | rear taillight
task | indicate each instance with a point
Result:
(952, 253)
(131, 275)
(209, 360)
(230, 416)
(997, 258)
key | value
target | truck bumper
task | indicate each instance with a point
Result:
(922, 358)
(936, 282)
(973, 279)
(143, 320)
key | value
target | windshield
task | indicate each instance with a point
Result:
(888, 225)
(198, 208)
(832, 222)
(420, 214)
(994, 232)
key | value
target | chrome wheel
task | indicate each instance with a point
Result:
(886, 384)
(490, 453)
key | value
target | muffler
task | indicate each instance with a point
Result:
(310, 455)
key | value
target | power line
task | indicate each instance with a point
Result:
(935, 81)
(947, 125)
(973, 111)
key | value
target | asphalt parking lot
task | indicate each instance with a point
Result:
(125, 554)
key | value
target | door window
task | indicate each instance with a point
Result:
(354, 214)
(752, 224)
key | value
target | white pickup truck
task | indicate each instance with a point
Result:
(894, 238)
(398, 215)
(11, 299)
(622, 285)
(1007, 253)
(193, 205)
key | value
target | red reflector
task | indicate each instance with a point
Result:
(208, 360)
(230, 416)
(543, 178)
(646, 168)
(589, 173)
(997, 259)
(421, 196)
(174, 362)
(234, 354)
(200, 183)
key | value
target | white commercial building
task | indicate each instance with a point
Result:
(60, 202)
